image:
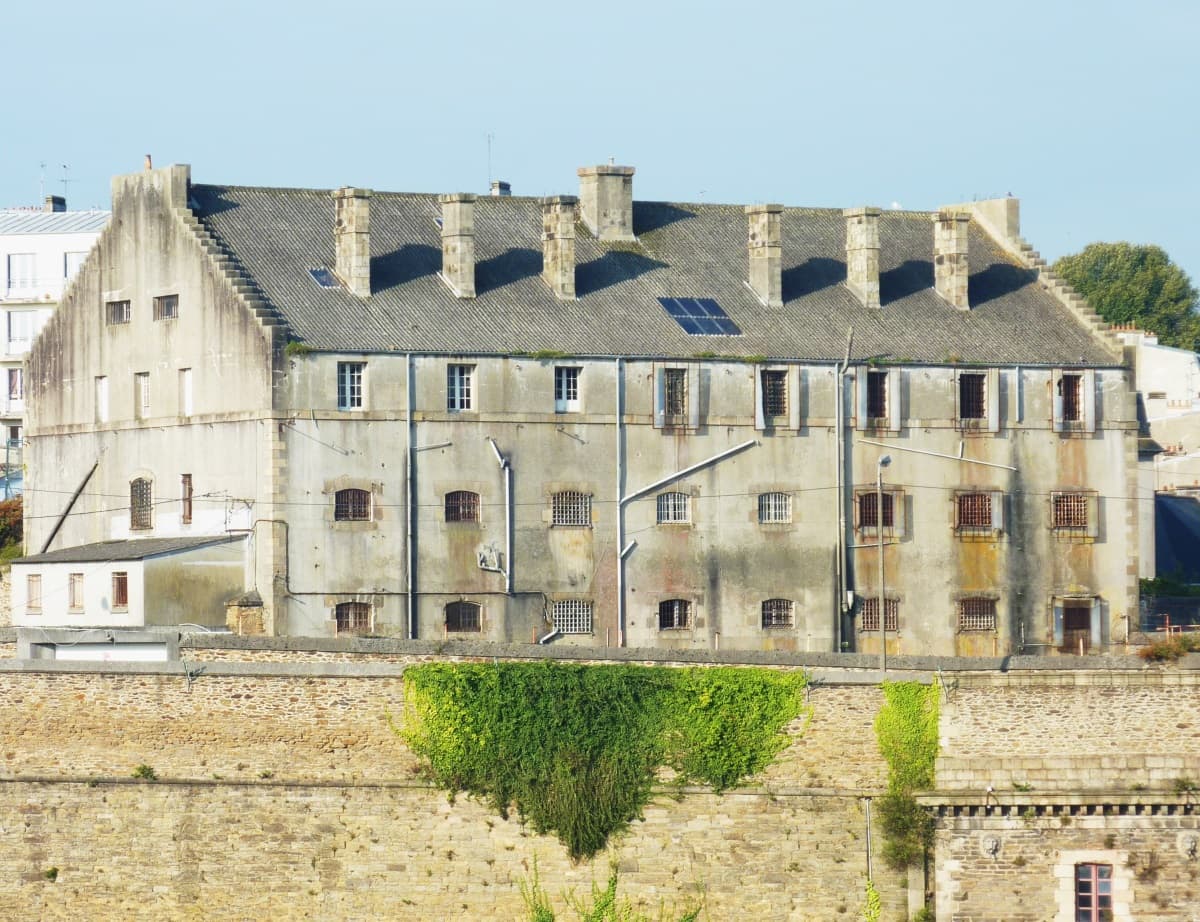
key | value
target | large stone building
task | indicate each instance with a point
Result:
(594, 420)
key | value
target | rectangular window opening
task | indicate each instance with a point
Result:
(675, 395)
(141, 394)
(166, 307)
(1070, 389)
(976, 614)
(877, 395)
(868, 511)
(774, 393)
(33, 593)
(870, 615)
(674, 615)
(350, 385)
(774, 508)
(572, 616)
(116, 312)
(75, 591)
(185, 498)
(972, 397)
(673, 508)
(973, 510)
(1093, 893)
(1070, 511)
(459, 387)
(566, 389)
(120, 590)
(571, 508)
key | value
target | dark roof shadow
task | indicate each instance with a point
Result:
(612, 268)
(411, 261)
(906, 279)
(512, 265)
(209, 200)
(812, 275)
(997, 280)
(650, 216)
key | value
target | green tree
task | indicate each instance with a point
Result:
(1131, 284)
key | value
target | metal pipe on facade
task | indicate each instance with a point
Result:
(839, 474)
(409, 493)
(882, 612)
(620, 468)
(506, 473)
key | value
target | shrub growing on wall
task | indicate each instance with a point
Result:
(907, 729)
(575, 749)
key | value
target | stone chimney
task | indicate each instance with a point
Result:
(458, 243)
(352, 239)
(501, 188)
(606, 201)
(54, 203)
(862, 254)
(950, 270)
(558, 245)
(765, 252)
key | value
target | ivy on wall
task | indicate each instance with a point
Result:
(575, 749)
(907, 730)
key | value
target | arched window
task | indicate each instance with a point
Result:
(352, 506)
(673, 508)
(674, 614)
(141, 503)
(777, 613)
(352, 617)
(463, 617)
(462, 506)
(774, 508)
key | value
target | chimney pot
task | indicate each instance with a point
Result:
(501, 188)
(764, 249)
(606, 201)
(458, 242)
(148, 163)
(54, 203)
(862, 254)
(950, 269)
(558, 245)
(352, 239)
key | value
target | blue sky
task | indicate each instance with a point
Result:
(1087, 112)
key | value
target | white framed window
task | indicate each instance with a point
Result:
(566, 389)
(570, 507)
(350, 377)
(185, 392)
(75, 591)
(33, 593)
(674, 508)
(101, 391)
(22, 270)
(141, 395)
(72, 263)
(460, 388)
(22, 328)
(674, 615)
(774, 508)
(778, 613)
(16, 384)
(878, 398)
(1074, 400)
(776, 397)
(677, 396)
(572, 616)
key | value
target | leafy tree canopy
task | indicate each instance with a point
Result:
(1131, 284)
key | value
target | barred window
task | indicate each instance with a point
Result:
(774, 508)
(460, 381)
(166, 307)
(140, 503)
(1070, 510)
(463, 617)
(774, 393)
(777, 613)
(33, 592)
(1070, 388)
(877, 405)
(675, 391)
(674, 508)
(972, 402)
(868, 512)
(977, 614)
(674, 615)
(352, 506)
(116, 312)
(75, 591)
(120, 590)
(572, 616)
(571, 508)
(973, 510)
(185, 499)
(462, 506)
(870, 615)
(352, 617)
(350, 385)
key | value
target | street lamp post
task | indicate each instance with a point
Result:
(883, 462)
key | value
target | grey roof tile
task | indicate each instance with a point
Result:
(18, 221)
(129, 549)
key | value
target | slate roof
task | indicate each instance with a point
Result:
(17, 221)
(129, 549)
(683, 251)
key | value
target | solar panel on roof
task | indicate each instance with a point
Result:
(700, 316)
(324, 278)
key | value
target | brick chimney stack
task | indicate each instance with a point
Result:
(950, 270)
(458, 242)
(558, 245)
(352, 239)
(764, 248)
(606, 201)
(862, 254)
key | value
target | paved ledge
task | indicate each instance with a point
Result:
(1097, 802)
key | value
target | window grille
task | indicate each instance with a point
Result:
(116, 312)
(571, 508)
(1070, 388)
(977, 614)
(166, 307)
(33, 592)
(868, 513)
(877, 407)
(352, 617)
(774, 508)
(120, 590)
(75, 592)
(870, 615)
(350, 385)
(185, 491)
(463, 617)
(459, 380)
(777, 613)
(675, 391)
(1093, 892)
(566, 389)
(462, 506)
(972, 401)
(674, 614)
(973, 510)
(774, 393)
(673, 507)
(573, 616)
(352, 506)
(140, 503)
(1070, 510)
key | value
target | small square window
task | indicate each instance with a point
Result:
(868, 509)
(573, 616)
(463, 617)
(777, 613)
(870, 615)
(566, 389)
(976, 614)
(120, 591)
(352, 617)
(166, 307)
(350, 385)
(570, 507)
(674, 508)
(462, 506)
(973, 510)
(352, 506)
(774, 508)
(116, 312)
(460, 381)
(1070, 512)
(674, 615)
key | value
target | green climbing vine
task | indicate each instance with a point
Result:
(575, 749)
(907, 730)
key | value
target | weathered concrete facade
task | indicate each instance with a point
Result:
(666, 498)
